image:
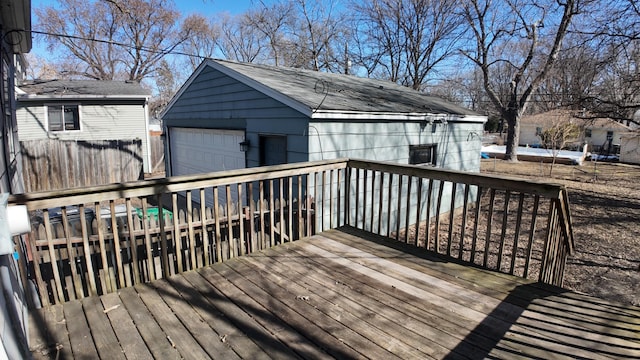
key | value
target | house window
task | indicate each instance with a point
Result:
(63, 117)
(422, 154)
(609, 135)
(538, 131)
(587, 133)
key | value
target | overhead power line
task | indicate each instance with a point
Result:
(111, 42)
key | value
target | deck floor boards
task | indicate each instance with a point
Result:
(341, 294)
(129, 338)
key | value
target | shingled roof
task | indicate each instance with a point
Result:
(559, 116)
(313, 92)
(79, 88)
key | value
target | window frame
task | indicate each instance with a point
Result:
(539, 130)
(62, 106)
(609, 135)
(432, 148)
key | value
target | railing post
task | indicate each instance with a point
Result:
(347, 196)
(546, 261)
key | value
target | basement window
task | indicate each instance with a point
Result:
(422, 155)
(63, 117)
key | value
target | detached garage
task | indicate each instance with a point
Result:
(231, 115)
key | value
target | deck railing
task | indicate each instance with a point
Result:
(513, 226)
(93, 241)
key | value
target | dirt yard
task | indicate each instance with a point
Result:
(605, 208)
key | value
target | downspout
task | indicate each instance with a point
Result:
(10, 104)
(13, 336)
(146, 135)
(168, 171)
(13, 328)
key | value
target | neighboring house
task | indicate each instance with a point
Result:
(15, 40)
(96, 115)
(232, 115)
(630, 148)
(600, 134)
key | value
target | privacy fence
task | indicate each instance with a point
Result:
(59, 164)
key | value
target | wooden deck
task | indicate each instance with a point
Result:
(337, 295)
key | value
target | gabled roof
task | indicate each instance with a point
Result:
(326, 95)
(579, 118)
(79, 89)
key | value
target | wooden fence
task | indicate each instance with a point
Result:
(59, 164)
(94, 241)
(156, 143)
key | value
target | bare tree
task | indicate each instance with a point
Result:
(557, 137)
(614, 27)
(40, 68)
(166, 86)
(274, 22)
(113, 38)
(571, 79)
(80, 23)
(318, 26)
(523, 37)
(203, 40)
(240, 41)
(616, 91)
(406, 39)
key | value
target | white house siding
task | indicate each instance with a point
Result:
(630, 148)
(599, 138)
(97, 122)
(528, 134)
(458, 148)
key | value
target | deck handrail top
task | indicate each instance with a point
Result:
(42, 199)
(546, 189)
(542, 188)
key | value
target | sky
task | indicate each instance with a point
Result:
(186, 7)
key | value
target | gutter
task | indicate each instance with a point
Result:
(33, 97)
(390, 116)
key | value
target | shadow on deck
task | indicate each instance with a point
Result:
(343, 293)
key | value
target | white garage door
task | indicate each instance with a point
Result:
(195, 151)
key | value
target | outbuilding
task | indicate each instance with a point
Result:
(231, 115)
(82, 132)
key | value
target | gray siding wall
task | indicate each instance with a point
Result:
(458, 148)
(216, 101)
(97, 122)
(458, 144)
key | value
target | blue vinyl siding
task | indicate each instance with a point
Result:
(216, 101)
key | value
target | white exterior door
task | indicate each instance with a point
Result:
(195, 151)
